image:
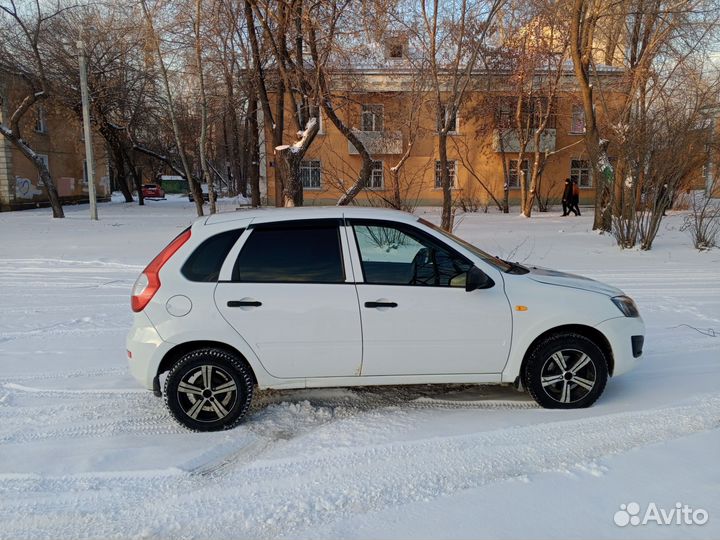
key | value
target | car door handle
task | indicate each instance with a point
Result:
(380, 304)
(244, 303)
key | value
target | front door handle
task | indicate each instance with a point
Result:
(244, 303)
(380, 304)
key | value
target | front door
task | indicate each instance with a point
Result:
(290, 300)
(417, 317)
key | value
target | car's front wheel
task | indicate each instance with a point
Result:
(209, 390)
(566, 371)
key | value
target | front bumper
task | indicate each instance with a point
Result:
(146, 350)
(623, 334)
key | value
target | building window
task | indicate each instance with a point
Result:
(41, 120)
(372, 117)
(578, 119)
(580, 172)
(376, 178)
(533, 112)
(513, 180)
(442, 116)
(451, 171)
(395, 47)
(313, 111)
(310, 174)
(45, 160)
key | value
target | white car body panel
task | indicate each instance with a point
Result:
(311, 335)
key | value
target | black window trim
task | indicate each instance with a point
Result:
(403, 227)
(294, 224)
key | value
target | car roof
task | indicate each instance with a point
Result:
(265, 215)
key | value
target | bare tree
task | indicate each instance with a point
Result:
(452, 39)
(23, 56)
(171, 111)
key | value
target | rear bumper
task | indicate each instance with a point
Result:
(146, 350)
(626, 336)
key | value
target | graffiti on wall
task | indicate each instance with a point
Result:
(25, 189)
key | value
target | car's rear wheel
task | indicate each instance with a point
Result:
(209, 390)
(566, 371)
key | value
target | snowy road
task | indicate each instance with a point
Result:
(86, 453)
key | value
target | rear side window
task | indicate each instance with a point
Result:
(302, 254)
(205, 262)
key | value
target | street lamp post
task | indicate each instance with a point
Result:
(89, 157)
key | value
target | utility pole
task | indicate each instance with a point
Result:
(89, 157)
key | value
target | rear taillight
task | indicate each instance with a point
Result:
(148, 283)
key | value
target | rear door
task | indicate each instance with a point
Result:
(289, 297)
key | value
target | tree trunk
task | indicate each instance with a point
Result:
(207, 177)
(121, 173)
(196, 189)
(446, 220)
(253, 155)
(45, 177)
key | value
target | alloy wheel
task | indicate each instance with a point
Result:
(568, 375)
(207, 393)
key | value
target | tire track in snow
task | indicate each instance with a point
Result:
(273, 498)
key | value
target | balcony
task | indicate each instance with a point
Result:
(511, 144)
(378, 142)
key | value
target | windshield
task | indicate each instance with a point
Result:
(493, 261)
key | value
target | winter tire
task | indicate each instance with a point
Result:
(208, 390)
(566, 371)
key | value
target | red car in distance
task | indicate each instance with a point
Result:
(152, 191)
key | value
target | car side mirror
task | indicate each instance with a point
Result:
(477, 279)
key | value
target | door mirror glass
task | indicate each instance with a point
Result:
(477, 279)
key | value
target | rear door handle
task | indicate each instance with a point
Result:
(380, 304)
(244, 303)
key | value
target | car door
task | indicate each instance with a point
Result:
(417, 317)
(289, 297)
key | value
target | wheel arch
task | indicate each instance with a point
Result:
(174, 354)
(589, 332)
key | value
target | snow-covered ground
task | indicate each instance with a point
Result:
(86, 453)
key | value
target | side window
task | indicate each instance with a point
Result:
(396, 256)
(205, 262)
(305, 254)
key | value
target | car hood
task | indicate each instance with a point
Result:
(563, 279)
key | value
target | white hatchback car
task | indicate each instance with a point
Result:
(321, 297)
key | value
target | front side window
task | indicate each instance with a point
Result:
(396, 255)
(310, 174)
(580, 172)
(372, 117)
(451, 173)
(291, 253)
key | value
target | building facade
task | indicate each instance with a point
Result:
(57, 136)
(483, 147)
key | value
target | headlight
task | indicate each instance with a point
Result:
(626, 305)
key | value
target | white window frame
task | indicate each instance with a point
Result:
(512, 170)
(378, 167)
(374, 111)
(41, 120)
(577, 120)
(452, 166)
(441, 116)
(307, 169)
(576, 172)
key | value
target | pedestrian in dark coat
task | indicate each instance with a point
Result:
(567, 197)
(574, 206)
